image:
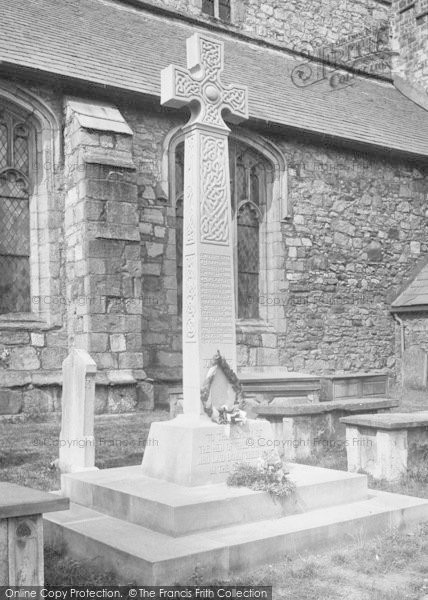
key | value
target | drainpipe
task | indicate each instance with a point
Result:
(400, 322)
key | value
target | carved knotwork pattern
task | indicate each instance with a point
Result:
(211, 58)
(189, 215)
(236, 100)
(185, 86)
(202, 85)
(214, 208)
(189, 309)
(212, 115)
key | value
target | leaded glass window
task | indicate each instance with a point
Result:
(248, 189)
(217, 8)
(248, 171)
(14, 214)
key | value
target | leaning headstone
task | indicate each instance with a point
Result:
(77, 445)
(415, 368)
(191, 449)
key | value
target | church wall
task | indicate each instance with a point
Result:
(292, 24)
(410, 27)
(358, 228)
(32, 348)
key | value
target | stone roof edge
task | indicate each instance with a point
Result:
(395, 306)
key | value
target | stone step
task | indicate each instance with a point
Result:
(174, 509)
(140, 555)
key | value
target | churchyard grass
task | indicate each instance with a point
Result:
(390, 567)
(27, 450)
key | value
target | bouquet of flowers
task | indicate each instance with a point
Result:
(225, 416)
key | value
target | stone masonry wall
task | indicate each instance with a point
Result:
(358, 227)
(295, 23)
(410, 27)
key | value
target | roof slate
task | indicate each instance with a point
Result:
(416, 292)
(115, 45)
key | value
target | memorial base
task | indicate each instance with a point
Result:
(155, 532)
(194, 451)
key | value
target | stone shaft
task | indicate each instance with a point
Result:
(208, 276)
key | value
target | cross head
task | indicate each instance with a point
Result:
(199, 86)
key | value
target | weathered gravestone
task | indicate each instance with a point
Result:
(77, 445)
(415, 368)
(191, 449)
(21, 533)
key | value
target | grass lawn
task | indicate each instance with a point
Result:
(391, 567)
(28, 449)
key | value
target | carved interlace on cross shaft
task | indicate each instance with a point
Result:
(200, 85)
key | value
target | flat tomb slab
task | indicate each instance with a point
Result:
(317, 408)
(273, 374)
(139, 554)
(18, 501)
(389, 420)
(164, 506)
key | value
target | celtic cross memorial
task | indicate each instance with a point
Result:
(208, 274)
(191, 449)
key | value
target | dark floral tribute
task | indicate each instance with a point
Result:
(224, 415)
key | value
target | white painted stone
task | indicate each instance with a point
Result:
(77, 445)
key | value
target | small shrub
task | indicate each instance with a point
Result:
(266, 477)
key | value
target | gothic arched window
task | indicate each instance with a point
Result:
(248, 170)
(14, 214)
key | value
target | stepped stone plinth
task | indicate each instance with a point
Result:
(157, 532)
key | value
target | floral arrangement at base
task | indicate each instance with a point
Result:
(268, 476)
(224, 415)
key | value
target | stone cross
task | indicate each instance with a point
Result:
(208, 273)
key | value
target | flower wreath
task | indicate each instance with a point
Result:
(224, 415)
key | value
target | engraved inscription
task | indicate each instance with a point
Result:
(189, 308)
(216, 298)
(220, 453)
